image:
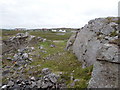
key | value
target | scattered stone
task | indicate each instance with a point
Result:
(53, 77)
(60, 73)
(39, 83)
(10, 83)
(25, 56)
(48, 80)
(4, 87)
(41, 47)
(52, 46)
(30, 72)
(9, 58)
(33, 84)
(21, 58)
(38, 65)
(30, 59)
(44, 40)
(15, 57)
(46, 71)
(76, 80)
(16, 87)
(7, 67)
(32, 78)
(43, 51)
(72, 84)
(32, 48)
(5, 72)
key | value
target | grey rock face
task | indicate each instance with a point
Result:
(91, 37)
(109, 53)
(95, 45)
(105, 72)
(104, 75)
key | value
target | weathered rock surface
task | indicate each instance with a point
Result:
(106, 69)
(91, 37)
(97, 44)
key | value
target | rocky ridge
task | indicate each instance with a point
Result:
(20, 41)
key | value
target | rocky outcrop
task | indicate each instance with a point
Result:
(20, 41)
(91, 37)
(97, 44)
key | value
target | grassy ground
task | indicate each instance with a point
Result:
(51, 35)
(57, 59)
(47, 35)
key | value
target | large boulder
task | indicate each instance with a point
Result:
(91, 37)
(97, 44)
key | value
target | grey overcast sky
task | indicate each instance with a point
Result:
(53, 13)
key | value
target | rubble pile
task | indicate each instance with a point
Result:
(47, 80)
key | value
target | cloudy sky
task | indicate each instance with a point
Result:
(53, 13)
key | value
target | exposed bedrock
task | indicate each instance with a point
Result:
(97, 44)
